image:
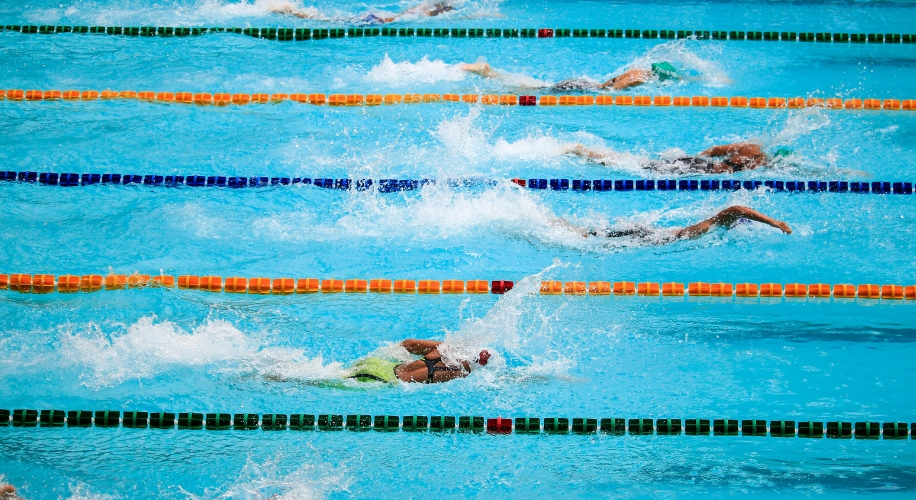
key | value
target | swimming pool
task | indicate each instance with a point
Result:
(166, 349)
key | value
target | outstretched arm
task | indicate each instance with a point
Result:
(290, 11)
(730, 149)
(565, 224)
(420, 347)
(627, 79)
(588, 154)
(481, 68)
(728, 217)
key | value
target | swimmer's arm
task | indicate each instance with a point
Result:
(588, 154)
(607, 83)
(728, 217)
(726, 149)
(565, 224)
(289, 11)
(482, 69)
(420, 347)
(628, 79)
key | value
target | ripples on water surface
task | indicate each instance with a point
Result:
(556, 356)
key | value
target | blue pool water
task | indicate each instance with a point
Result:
(175, 350)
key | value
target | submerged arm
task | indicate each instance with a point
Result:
(588, 154)
(728, 217)
(565, 224)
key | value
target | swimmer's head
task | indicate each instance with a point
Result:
(783, 151)
(664, 71)
(483, 358)
(440, 7)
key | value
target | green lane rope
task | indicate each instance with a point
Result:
(423, 423)
(291, 34)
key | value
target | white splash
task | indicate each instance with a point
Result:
(688, 63)
(314, 479)
(148, 348)
(407, 73)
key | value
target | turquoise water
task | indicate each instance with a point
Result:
(175, 350)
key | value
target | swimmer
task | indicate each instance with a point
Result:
(660, 70)
(735, 157)
(8, 492)
(727, 219)
(424, 9)
(431, 369)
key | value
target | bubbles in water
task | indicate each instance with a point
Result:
(269, 480)
(80, 491)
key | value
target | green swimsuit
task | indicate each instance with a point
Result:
(373, 370)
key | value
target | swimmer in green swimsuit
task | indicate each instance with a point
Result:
(431, 369)
(660, 70)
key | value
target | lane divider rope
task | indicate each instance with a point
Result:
(351, 100)
(301, 34)
(49, 283)
(398, 185)
(475, 424)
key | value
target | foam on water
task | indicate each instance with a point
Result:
(683, 54)
(148, 348)
(406, 73)
(80, 491)
(462, 139)
(469, 147)
(269, 480)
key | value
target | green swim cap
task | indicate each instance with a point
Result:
(373, 370)
(664, 71)
(783, 151)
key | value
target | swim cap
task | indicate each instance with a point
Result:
(783, 151)
(483, 357)
(664, 70)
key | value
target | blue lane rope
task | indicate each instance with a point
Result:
(396, 185)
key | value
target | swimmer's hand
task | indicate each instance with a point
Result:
(782, 226)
